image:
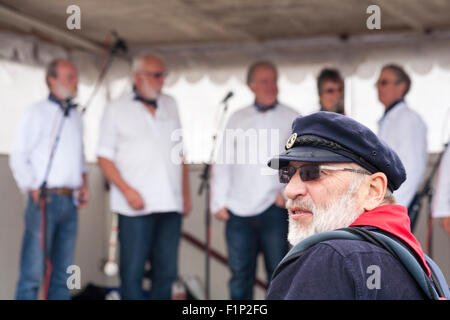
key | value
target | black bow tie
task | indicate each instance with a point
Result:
(261, 108)
(65, 105)
(152, 102)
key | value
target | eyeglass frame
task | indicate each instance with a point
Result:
(321, 167)
(385, 82)
(154, 75)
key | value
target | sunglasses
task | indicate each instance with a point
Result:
(332, 90)
(385, 82)
(154, 75)
(311, 172)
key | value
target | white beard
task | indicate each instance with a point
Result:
(64, 93)
(337, 213)
(148, 91)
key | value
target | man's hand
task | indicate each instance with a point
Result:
(280, 201)
(111, 173)
(187, 205)
(445, 224)
(35, 195)
(222, 214)
(83, 197)
(134, 199)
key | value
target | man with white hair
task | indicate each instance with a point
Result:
(66, 188)
(339, 174)
(149, 182)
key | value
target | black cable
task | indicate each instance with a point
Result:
(111, 49)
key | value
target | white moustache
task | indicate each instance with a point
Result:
(300, 203)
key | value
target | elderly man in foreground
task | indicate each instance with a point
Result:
(339, 174)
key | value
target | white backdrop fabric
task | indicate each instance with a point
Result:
(199, 83)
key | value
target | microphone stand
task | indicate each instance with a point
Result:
(426, 192)
(205, 185)
(114, 50)
(43, 202)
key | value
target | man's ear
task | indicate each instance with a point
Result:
(320, 99)
(52, 82)
(401, 88)
(135, 78)
(251, 86)
(376, 190)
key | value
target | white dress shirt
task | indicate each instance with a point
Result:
(147, 151)
(241, 179)
(406, 133)
(441, 200)
(35, 136)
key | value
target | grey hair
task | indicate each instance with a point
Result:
(402, 76)
(52, 70)
(138, 60)
(389, 197)
(258, 64)
(357, 180)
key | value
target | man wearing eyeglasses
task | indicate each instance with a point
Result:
(244, 195)
(338, 174)
(62, 176)
(403, 129)
(149, 182)
(330, 86)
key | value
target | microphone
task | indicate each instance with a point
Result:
(119, 45)
(228, 96)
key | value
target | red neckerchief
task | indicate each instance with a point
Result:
(393, 219)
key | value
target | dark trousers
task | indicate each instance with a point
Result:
(246, 236)
(157, 236)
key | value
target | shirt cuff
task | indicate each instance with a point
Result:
(105, 153)
(216, 206)
(29, 185)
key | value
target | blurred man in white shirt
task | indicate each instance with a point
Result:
(149, 182)
(245, 195)
(66, 183)
(402, 129)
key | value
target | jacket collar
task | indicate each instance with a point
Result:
(393, 219)
(261, 108)
(396, 103)
(65, 105)
(138, 97)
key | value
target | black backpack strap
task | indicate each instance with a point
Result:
(403, 255)
(370, 237)
(379, 239)
(307, 243)
(438, 278)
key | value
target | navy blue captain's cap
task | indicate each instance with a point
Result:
(329, 137)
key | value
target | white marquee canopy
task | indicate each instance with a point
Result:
(209, 44)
